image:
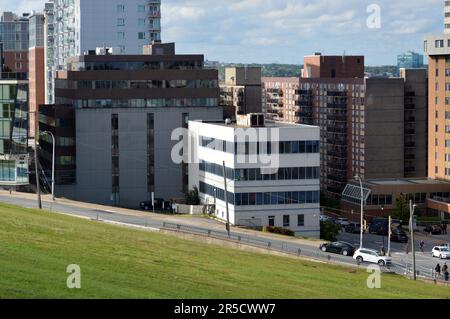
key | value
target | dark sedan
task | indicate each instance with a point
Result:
(339, 247)
(434, 230)
(353, 228)
(399, 236)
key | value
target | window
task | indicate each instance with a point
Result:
(141, 8)
(301, 220)
(272, 221)
(141, 35)
(439, 43)
(120, 22)
(121, 35)
(286, 221)
(120, 8)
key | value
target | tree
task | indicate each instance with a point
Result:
(329, 230)
(401, 210)
(192, 197)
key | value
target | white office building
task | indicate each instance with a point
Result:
(77, 26)
(272, 172)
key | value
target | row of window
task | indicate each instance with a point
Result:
(140, 8)
(135, 84)
(142, 103)
(252, 148)
(131, 66)
(256, 174)
(260, 199)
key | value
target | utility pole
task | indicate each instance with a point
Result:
(362, 212)
(226, 198)
(389, 234)
(411, 228)
(36, 136)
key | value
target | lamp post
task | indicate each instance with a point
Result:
(411, 228)
(36, 168)
(362, 211)
(53, 162)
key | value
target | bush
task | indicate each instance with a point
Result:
(329, 230)
(279, 230)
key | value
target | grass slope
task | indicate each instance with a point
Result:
(36, 247)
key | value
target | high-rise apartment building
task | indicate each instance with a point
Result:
(437, 47)
(36, 70)
(371, 127)
(280, 97)
(114, 120)
(14, 39)
(77, 26)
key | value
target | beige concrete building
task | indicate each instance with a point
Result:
(241, 92)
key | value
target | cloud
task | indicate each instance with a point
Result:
(286, 30)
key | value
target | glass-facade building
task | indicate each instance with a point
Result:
(13, 132)
(410, 60)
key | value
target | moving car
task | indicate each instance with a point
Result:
(325, 218)
(434, 230)
(371, 256)
(339, 247)
(399, 236)
(353, 228)
(441, 252)
(380, 226)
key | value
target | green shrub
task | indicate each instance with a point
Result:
(279, 230)
(329, 230)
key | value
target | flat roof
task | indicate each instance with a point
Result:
(407, 181)
(270, 124)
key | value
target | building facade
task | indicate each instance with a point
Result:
(14, 158)
(284, 195)
(126, 110)
(81, 25)
(36, 70)
(371, 127)
(14, 39)
(280, 96)
(241, 92)
(410, 60)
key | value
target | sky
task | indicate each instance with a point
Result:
(283, 31)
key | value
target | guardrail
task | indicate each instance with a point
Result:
(274, 245)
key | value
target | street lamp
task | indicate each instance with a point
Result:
(53, 162)
(362, 211)
(411, 229)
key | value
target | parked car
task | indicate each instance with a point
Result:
(339, 247)
(160, 205)
(399, 236)
(441, 252)
(343, 221)
(353, 228)
(433, 229)
(371, 256)
(325, 218)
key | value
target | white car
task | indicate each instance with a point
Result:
(441, 252)
(325, 218)
(371, 256)
(343, 222)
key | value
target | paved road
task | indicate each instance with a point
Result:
(306, 248)
(424, 261)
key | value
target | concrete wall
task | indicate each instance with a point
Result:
(93, 140)
(384, 128)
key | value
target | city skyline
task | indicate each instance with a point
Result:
(283, 31)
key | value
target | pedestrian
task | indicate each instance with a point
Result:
(445, 228)
(438, 270)
(446, 274)
(383, 251)
(422, 244)
(444, 268)
(407, 249)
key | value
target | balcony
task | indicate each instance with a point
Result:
(154, 14)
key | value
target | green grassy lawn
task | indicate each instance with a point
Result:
(36, 247)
